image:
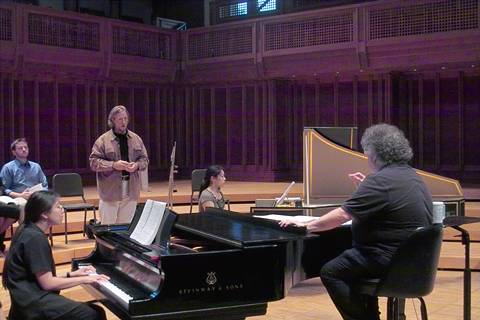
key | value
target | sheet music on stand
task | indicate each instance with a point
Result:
(147, 227)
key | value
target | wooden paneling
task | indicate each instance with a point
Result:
(253, 128)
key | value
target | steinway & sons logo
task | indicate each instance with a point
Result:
(211, 287)
(211, 278)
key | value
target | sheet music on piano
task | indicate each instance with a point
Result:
(296, 219)
(147, 227)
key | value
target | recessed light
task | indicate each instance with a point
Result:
(443, 68)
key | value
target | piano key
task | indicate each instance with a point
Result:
(113, 290)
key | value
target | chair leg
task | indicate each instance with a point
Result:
(401, 309)
(94, 214)
(423, 309)
(66, 230)
(191, 202)
(390, 314)
(393, 309)
(84, 221)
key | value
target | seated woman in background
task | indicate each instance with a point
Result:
(29, 269)
(210, 194)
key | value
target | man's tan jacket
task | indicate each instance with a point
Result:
(105, 152)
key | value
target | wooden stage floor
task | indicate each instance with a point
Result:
(235, 191)
(308, 300)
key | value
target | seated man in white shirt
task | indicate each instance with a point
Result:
(20, 178)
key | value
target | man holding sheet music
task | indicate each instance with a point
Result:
(389, 204)
(20, 178)
(117, 156)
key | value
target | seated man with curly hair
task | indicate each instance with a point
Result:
(388, 205)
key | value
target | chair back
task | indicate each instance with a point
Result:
(68, 184)
(197, 178)
(413, 268)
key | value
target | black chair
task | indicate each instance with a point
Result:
(70, 185)
(197, 179)
(411, 273)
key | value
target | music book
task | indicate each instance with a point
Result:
(297, 219)
(16, 201)
(147, 227)
(279, 217)
(7, 200)
(36, 187)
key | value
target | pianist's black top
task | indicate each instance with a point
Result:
(387, 206)
(31, 254)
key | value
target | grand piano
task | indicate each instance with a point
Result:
(225, 265)
(215, 265)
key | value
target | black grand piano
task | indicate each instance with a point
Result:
(215, 265)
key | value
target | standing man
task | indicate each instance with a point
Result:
(117, 156)
(387, 207)
(20, 178)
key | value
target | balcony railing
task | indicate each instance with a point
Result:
(350, 28)
(60, 32)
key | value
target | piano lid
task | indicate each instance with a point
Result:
(232, 228)
(327, 162)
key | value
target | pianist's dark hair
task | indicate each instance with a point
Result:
(38, 203)
(388, 143)
(212, 171)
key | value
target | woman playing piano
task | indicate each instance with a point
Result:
(29, 269)
(210, 193)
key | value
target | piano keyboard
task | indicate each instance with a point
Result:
(114, 291)
(120, 295)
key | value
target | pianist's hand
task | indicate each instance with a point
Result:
(96, 278)
(287, 222)
(83, 271)
(357, 178)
